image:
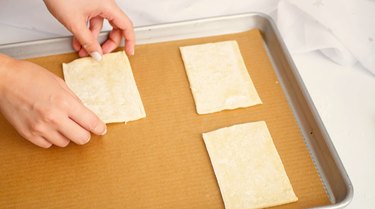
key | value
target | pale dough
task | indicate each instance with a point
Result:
(107, 87)
(248, 168)
(218, 77)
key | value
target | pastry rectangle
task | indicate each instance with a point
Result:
(247, 166)
(106, 87)
(218, 77)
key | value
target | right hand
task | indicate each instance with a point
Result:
(42, 108)
(75, 15)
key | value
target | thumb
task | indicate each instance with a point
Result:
(88, 41)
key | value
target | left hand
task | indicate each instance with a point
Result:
(42, 108)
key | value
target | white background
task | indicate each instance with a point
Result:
(343, 95)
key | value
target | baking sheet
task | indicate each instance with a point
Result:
(161, 161)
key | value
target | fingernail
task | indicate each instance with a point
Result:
(96, 56)
(104, 132)
(98, 129)
(86, 140)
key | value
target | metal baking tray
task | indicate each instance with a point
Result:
(323, 153)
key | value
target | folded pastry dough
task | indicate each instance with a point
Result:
(247, 167)
(107, 87)
(218, 77)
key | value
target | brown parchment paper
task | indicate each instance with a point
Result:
(160, 161)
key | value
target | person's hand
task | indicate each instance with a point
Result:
(42, 108)
(75, 15)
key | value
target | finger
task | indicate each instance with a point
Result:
(119, 20)
(87, 40)
(96, 25)
(76, 45)
(47, 132)
(113, 41)
(56, 138)
(129, 41)
(83, 53)
(71, 130)
(27, 133)
(87, 119)
(40, 141)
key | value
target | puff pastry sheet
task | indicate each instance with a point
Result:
(107, 87)
(218, 77)
(247, 167)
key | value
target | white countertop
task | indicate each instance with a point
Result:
(344, 97)
(345, 100)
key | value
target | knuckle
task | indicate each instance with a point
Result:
(25, 133)
(36, 129)
(60, 100)
(85, 45)
(47, 114)
(50, 117)
(84, 38)
(62, 103)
